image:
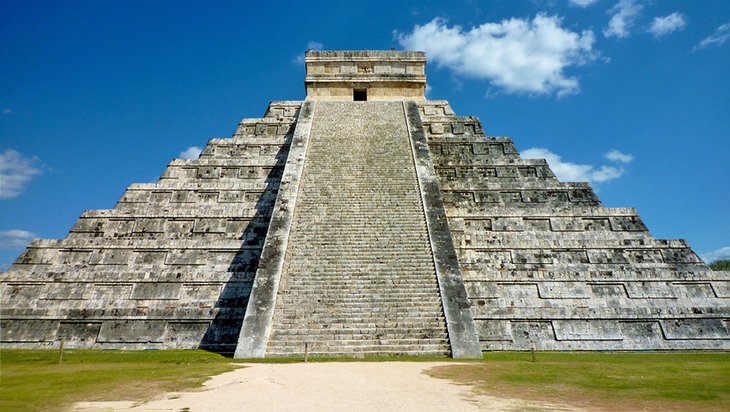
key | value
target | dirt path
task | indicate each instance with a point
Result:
(347, 386)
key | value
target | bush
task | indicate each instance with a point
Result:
(722, 264)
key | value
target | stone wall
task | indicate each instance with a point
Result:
(546, 265)
(170, 266)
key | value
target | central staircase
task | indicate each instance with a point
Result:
(359, 277)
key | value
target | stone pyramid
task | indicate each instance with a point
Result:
(363, 221)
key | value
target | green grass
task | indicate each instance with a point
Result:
(658, 381)
(32, 380)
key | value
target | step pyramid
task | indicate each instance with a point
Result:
(363, 221)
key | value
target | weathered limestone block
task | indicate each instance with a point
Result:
(131, 331)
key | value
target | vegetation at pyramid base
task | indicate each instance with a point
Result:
(722, 264)
(33, 380)
(603, 381)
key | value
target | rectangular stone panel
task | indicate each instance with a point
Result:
(150, 257)
(608, 290)
(179, 226)
(722, 288)
(185, 257)
(75, 256)
(103, 294)
(695, 329)
(88, 225)
(517, 290)
(494, 330)
(201, 292)
(641, 331)
(160, 197)
(135, 196)
(531, 256)
(183, 196)
(237, 226)
(612, 256)
(532, 332)
(132, 331)
(511, 198)
(596, 224)
(486, 197)
(594, 329)
(21, 294)
(627, 223)
(208, 172)
(156, 291)
(67, 291)
(116, 227)
(679, 256)
(149, 225)
(229, 173)
(693, 290)
(210, 225)
(535, 196)
(478, 259)
(37, 256)
(566, 224)
(482, 289)
(72, 332)
(231, 196)
(28, 330)
(650, 290)
(221, 257)
(111, 257)
(644, 256)
(508, 224)
(185, 334)
(563, 290)
(207, 196)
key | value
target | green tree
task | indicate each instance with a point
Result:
(722, 264)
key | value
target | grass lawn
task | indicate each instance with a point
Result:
(32, 380)
(611, 381)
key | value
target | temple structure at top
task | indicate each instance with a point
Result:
(365, 75)
(365, 220)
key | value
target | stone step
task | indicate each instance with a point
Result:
(360, 275)
(325, 341)
(370, 323)
(390, 333)
(360, 353)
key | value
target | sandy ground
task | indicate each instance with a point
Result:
(347, 386)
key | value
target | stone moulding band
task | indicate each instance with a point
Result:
(257, 321)
(462, 331)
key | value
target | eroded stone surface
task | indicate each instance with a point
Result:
(361, 261)
(546, 265)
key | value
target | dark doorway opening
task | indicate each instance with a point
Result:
(360, 95)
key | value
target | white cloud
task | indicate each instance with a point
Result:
(616, 156)
(191, 153)
(719, 37)
(582, 3)
(722, 253)
(8, 111)
(15, 239)
(517, 55)
(573, 172)
(311, 45)
(624, 13)
(661, 26)
(15, 172)
(429, 89)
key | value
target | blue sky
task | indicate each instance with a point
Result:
(631, 95)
